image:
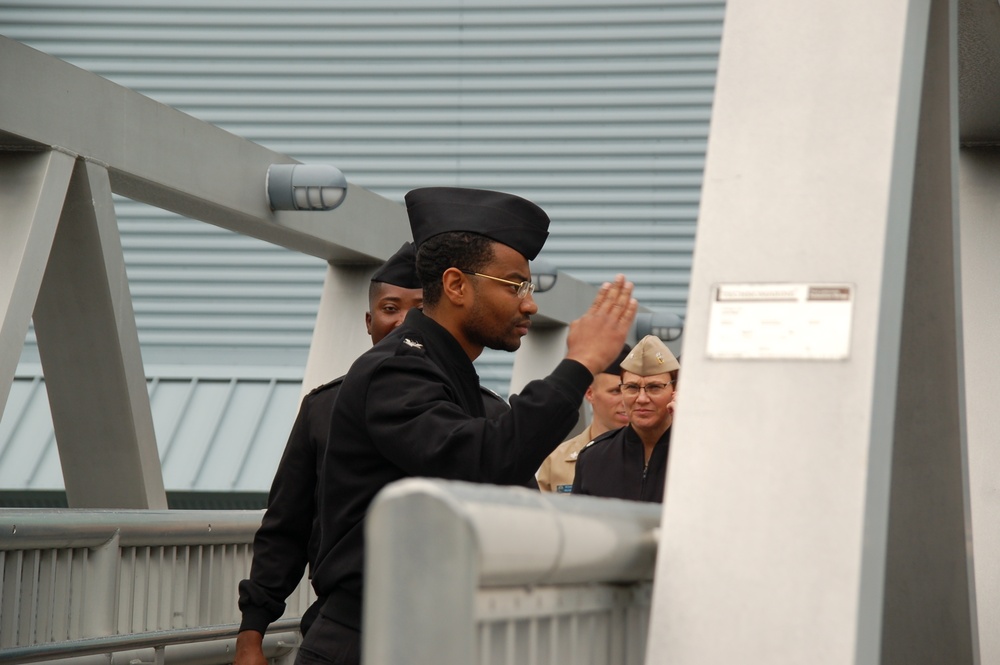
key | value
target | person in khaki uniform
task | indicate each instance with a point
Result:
(605, 397)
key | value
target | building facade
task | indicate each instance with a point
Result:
(597, 111)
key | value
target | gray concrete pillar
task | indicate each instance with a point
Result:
(814, 507)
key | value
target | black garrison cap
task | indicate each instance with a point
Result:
(508, 219)
(616, 365)
(400, 269)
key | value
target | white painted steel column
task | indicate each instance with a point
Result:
(32, 189)
(89, 348)
(779, 518)
(340, 335)
(980, 211)
(541, 350)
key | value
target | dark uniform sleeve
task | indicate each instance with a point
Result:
(285, 542)
(493, 404)
(496, 406)
(506, 449)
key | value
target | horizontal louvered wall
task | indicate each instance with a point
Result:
(205, 295)
(598, 111)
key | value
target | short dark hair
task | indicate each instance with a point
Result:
(458, 249)
(374, 292)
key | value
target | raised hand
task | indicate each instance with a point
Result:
(596, 338)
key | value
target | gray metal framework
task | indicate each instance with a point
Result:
(817, 510)
(70, 139)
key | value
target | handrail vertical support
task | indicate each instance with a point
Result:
(409, 615)
(101, 589)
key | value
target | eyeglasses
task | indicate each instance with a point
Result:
(522, 289)
(652, 389)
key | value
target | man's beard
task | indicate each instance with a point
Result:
(478, 331)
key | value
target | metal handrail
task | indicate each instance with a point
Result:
(542, 552)
(130, 583)
(112, 643)
(35, 528)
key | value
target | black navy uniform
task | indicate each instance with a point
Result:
(613, 465)
(288, 537)
(411, 406)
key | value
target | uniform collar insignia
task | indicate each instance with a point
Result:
(410, 342)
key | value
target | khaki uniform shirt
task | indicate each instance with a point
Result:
(557, 471)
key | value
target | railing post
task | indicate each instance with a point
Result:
(409, 615)
(100, 584)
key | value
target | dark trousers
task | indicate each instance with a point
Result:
(329, 643)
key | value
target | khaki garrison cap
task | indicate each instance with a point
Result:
(650, 356)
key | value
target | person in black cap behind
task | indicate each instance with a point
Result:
(473, 248)
(288, 538)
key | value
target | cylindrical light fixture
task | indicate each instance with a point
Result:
(665, 325)
(305, 187)
(543, 274)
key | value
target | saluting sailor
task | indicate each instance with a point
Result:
(411, 405)
(288, 537)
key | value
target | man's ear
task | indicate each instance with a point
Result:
(589, 395)
(455, 287)
(368, 323)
